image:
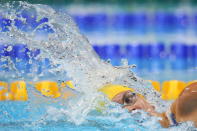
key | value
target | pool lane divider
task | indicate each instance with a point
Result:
(48, 88)
(3, 90)
(139, 22)
(148, 56)
(172, 89)
(17, 91)
(156, 85)
(146, 50)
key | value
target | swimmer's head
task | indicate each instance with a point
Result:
(133, 101)
(112, 91)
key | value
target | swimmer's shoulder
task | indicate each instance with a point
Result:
(191, 89)
(192, 85)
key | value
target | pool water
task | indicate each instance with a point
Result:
(56, 51)
(19, 116)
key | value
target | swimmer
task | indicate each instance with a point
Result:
(183, 109)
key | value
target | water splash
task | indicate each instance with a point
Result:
(70, 55)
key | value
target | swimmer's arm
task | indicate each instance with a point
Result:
(163, 118)
(165, 122)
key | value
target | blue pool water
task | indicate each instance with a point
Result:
(19, 61)
(21, 116)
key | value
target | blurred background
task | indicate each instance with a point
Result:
(158, 36)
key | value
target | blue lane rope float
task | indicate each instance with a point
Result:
(192, 51)
(91, 22)
(144, 50)
(4, 24)
(21, 57)
(179, 50)
(129, 21)
(138, 22)
(31, 23)
(165, 22)
(147, 56)
(157, 50)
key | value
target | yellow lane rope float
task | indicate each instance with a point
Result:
(3, 90)
(51, 89)
(172, 89)
(156, 85)
(68, 84)
(17, 90)
(48, 88)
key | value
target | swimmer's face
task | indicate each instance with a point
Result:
(132, 101)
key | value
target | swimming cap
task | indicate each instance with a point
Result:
(112, 90)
